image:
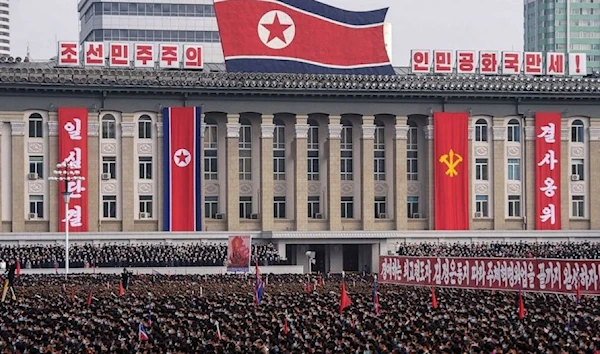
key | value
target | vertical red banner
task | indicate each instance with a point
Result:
(451, 161)
(547, 171)
(72, 148)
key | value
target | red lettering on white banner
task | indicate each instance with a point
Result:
(193, 57)
(420, 61)
(169, 56)
(68, 54)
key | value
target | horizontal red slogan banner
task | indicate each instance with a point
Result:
(512, 274)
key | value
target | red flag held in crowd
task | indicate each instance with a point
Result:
(89, 299)
(344, 298)
(434, 302)
(18, 270)
(521, 307)
(121, 288)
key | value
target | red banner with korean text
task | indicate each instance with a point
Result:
(72, 148)
(451, 161)
(547, 171)
(508, 274)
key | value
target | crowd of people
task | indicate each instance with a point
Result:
(132, 255)
(218, 314)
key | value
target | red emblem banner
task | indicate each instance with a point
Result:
(451, 161)
(72, 148)
(547, 171)
(561, 276)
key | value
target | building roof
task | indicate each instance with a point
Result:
(213, 79)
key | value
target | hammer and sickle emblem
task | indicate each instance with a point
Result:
(451, 160)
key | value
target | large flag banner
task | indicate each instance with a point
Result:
(561, 276)
(72, 149)
(182, 181)
(451, 161)
(238, 253)
(301, 36)
(547, 171)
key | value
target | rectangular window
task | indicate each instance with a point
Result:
(578, 207)
(245, 141)
(145, 167)
(514, 206)
(412, 166)
(577, 169)
(210, 165)
(346, 165)
(279, 137)
(36, 205)
(577, 133)
(379, 154)
(211, 207)
(35, 127)
(279, 207)
(36, 165)
(313, 165)
(347, 207)
(481, 206)
(145, 128)
(314, 207)
(279, 165)
(245, 207)
(412, 207)
(514, 133)
(109, 165)
(514, 169)
(313, 138)
(380, 208)
(210, 137)
(481, 132)
(245, 165)
(109, 206)
(146, 205)
(481, 169)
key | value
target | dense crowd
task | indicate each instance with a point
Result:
(180, 315)
(567, 250)
(132, 255)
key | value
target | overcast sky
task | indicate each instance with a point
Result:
(416, 24)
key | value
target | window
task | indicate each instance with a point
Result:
(380, 208)
(514, 169)
(36, 205)
(36, 165)
(481, 130)
(145, 127)
(145, 163)
(577, 168)
(347, 207)
(109, 165)
(577, 131)
(412, 166)
(279, 152)
(379, 151)
(412, 207)
(109, 206)
(514, 206)
(279, 207)
(313, 151)
(109, 127)
(211, 207)
(514, 131)
(481, 206)
(146, 205)
(35, 126)
(210, 151)
(245, 207)
(481, 169)
(578, 208)
(245, 146)
(346, 146)
(314, 207)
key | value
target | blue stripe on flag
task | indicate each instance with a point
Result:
(198, 168)
(336, 14)
(265, 65)
(167, 169)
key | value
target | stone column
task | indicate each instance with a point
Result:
(333, 173)
(499, 172)
(128, 164)
(1, 127)
(233, 172)
(93, 174)
(159, 171)
(565, 175)
(54, 200)
(266, 172)
(529, 179)
(400, 185)
(18, 175)
(594, 166)
(431, 158)
(301, 173)
(367, 173)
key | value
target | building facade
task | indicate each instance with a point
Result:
(4, 28)
(564, 26)
(156, 21)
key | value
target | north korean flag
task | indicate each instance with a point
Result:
(301, 36)
(182, 192)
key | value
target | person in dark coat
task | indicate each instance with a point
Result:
(125, 279)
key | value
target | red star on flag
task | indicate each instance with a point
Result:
(181, 157)
(276, 29)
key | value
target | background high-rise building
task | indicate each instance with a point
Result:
(4, 28)
(570, 26)
(157, 21)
